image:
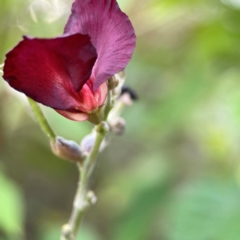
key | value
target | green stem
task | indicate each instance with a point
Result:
(109, 105)
(42, 119)
(82, 200)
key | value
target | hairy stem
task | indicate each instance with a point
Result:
(42, 119)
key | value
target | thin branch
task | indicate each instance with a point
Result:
(84, 198)
(42, 119)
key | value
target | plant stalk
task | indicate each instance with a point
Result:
(83, 198)
(42, 119)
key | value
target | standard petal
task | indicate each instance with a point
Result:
(111, 33)
(51, 71)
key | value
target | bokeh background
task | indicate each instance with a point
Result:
(175, 174)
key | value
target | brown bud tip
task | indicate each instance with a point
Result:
(67, 149)
(132, 93)
(112, 82)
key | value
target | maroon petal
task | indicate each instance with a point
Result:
(111, 33)
(47, 70)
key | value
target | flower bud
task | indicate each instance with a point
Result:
(67, 149)
(102, 128)
(91, 197)
(120, 77)
(113, 82)
(88, 142)
(97, 117)
(126, 99)
(118, 125)
(67, 232)
(133, 95)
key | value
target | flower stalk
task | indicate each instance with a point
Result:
(109, 105)
(42, 119)
(86, 160)
(85, 157)
(84, 198)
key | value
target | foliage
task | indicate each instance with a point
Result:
(11, 208)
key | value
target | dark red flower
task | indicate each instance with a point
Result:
(69, 73)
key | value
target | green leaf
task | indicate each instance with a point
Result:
(137, 221)
(11, 208)
(209, 210)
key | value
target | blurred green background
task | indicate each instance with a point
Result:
(175, 174)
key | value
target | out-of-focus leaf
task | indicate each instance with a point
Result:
(11, 208)
(137, 221)
(87, 233)
(209, 210)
